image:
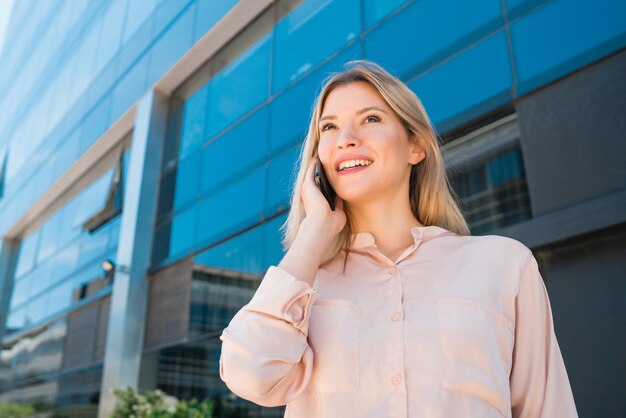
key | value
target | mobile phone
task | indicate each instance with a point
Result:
(324, 185)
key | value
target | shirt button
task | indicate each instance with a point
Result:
(396, 379)
(396, 316)
(392, 270)
(295, 314)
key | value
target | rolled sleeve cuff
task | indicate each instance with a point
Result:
(283, 296)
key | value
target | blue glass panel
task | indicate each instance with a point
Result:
(96, 123)
(67, 153)
(374, 10)
(239, 149)
(94, 245)
(36, 309)
(28, 251)
(562, 36)
(111, 33)
(243, 253)
(166, 11)
(66, 261)
(232, 208)
(93, 198)
(194, 116)
(309, 34)
(21, 291)
(60, 297)
(504, 168)
(137, 13)
(70, 231)
(274, 252)
(187, 180)
(16, 320)
(183, 230)
(209, 13)
(49, 237)
(281, 173)
(128, 90)
(239, 87)
(426, 29)
(291, 111)
(469, 79)
(172, 45)
(41, 277)
(514, 3)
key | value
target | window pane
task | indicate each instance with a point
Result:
(440, 31)
(281, 173)
(551, 42)
(187, 180)
(194, 116)
(310, 33)
(374, 10)
(273, 247)
(26, 257)
(236, 206)
(478, 79)
(16, 320)
(239, 87)
(237, 151)
(183, 231)
(243, 253)
(93, 198)
(21, 290)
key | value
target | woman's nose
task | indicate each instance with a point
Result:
(347, 136)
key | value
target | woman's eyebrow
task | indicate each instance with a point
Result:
(365, 109)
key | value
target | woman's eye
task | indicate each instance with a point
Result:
(374, 117)
(326, 126)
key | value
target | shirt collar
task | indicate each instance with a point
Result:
(365, 239)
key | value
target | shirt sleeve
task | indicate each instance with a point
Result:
(265, 355)
(539, 383)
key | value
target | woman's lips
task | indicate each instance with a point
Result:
(352, 170)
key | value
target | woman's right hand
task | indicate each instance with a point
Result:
(317, 208)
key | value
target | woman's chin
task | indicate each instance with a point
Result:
(357, 198)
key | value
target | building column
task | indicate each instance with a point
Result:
(8, 259)
(125, 334)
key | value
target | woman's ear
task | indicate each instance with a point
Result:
(416, 153)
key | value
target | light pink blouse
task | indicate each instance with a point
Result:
(456, 326)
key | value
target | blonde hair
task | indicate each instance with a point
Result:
(432, 199)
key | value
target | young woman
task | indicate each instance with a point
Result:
(386, 306)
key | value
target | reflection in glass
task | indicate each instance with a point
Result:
(300, 44)
(493, 191)
(32, 356)
(223, 279)
(59, 264)
(233, 208)
(239, 87)
(235, 152)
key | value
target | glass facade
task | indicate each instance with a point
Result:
(73, 72)
(59, 259)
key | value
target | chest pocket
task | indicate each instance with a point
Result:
(334, 338)
(477, 347)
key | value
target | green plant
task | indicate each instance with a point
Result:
(156, 404)
(16, 410)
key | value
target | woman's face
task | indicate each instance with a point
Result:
(357, 122)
